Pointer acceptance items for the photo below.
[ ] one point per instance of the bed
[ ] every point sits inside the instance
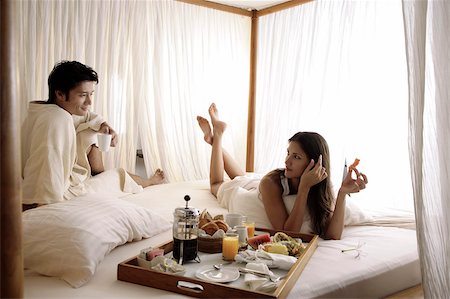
(388, 260)
(384, 262)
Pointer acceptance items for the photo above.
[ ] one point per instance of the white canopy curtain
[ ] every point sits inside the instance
(428, 53)
(160, 64)
(338, 68)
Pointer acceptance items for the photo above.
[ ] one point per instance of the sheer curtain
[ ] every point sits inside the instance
(427, 26)
(160, 64)
(338, 68)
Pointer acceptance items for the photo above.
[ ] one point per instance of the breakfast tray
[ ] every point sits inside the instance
(129, 271)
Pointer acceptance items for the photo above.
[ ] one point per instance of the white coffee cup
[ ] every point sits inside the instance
(104, 141)
(233, 219)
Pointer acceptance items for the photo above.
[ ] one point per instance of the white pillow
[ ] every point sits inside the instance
(69, 239)
(354, 215)
(248, 203)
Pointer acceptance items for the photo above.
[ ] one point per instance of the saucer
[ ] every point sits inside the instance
(222, 275)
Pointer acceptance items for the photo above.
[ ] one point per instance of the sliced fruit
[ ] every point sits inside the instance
(255, 241)
(276, 248)
(355, 163)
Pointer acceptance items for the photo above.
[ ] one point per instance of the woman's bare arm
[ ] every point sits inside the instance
(271, 192)
(336, 224)
(349, 185)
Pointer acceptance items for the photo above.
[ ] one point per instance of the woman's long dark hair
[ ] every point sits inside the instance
(320, 196)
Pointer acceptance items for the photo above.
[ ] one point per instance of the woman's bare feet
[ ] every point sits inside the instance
(206, 128)
(213, 113)
(218, 125)
(157, 178)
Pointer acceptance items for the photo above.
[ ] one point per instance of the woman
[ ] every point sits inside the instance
(305, 176)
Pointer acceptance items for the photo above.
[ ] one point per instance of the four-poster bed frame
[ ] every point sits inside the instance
(11, 207)
(254, 14)
(12, 273)
(11, 202)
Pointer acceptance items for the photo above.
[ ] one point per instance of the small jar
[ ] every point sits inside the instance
(242, 232)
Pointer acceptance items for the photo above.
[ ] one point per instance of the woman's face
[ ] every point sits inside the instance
(296, 160)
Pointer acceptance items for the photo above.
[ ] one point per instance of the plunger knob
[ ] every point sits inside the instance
(187, 198)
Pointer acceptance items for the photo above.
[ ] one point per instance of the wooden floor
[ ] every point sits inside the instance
(413, 293)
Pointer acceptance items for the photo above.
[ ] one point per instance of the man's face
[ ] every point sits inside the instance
(78, 100)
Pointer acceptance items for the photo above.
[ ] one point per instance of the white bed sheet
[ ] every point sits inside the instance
(388, 260)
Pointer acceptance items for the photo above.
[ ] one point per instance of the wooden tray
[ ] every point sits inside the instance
(129, 271)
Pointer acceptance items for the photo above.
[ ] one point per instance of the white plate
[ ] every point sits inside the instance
(222, 275)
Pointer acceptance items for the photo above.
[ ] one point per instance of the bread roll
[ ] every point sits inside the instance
(203, 221)
(218, 217)
(222, 225)
(205, 215)
(210, 228)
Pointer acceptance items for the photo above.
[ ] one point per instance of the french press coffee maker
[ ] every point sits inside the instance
(185, 232)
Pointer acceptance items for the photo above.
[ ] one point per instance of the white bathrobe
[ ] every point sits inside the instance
(55, 166)
(86, 128)
(48, 154)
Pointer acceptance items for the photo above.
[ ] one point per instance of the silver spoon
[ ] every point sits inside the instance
(277, 279)
(219, 266)
(272, 278)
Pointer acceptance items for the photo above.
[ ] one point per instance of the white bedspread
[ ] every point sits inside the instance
(387, 263)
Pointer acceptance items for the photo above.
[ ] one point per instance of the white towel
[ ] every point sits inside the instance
(271, 260)
(259, 283)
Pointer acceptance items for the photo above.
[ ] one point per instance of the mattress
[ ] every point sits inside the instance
(376, 262)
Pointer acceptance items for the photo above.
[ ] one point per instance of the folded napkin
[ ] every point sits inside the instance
(271, 260)
(259, 283)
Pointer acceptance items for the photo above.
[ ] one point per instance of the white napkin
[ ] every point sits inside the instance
(271, 260)
(259, 283)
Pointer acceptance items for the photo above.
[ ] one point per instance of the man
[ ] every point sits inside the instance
(55, 165)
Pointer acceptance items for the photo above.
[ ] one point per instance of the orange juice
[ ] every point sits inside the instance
(230, 246)
(250, 229)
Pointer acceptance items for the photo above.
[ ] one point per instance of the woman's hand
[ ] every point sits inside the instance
(313, 174)
(106, 129)
(351, 185)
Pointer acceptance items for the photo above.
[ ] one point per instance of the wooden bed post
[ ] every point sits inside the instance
(10, 203)
(250, 160)
(254, 14)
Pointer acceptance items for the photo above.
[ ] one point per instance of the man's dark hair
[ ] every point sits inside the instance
(67, 75)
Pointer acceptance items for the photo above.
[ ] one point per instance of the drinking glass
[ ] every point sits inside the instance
(250, 226)
(230, 246)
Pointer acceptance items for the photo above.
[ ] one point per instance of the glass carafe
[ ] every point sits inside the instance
(185, 233)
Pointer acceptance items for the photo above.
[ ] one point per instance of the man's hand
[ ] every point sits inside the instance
(106, 129)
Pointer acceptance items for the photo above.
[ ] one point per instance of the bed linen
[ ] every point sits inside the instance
(386, 262)
(69, 239)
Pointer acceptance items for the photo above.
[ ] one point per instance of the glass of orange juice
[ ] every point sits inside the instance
(230, 246)
(250, 226)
